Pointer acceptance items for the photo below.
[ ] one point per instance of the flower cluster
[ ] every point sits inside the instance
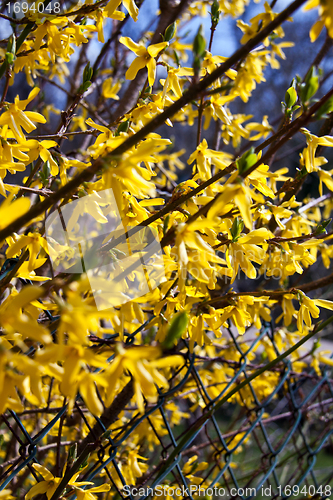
(235, 218)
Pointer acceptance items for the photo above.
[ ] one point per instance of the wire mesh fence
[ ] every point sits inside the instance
(262, 443)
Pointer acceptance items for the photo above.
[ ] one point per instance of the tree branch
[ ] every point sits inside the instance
(109, 416)
(87, 174)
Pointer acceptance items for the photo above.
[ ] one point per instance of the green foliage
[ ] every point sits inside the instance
(246, 161)
(176, 329)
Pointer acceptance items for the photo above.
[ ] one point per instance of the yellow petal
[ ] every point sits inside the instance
(154, 50)
(137, 64)
(36, 117)
(316, 30)
(132, 9)
(327, 361)
(39, 488)
(89, 395)
(128, 42)
(327, 304)
(167, 361)
(255, 237)
(151, 66)
(26, 295)
(243, 204)
(43, 471)
(16, 248)
(48, 144)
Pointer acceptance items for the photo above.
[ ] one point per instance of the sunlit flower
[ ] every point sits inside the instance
(145, 57)
(50, 484)
(17, 119)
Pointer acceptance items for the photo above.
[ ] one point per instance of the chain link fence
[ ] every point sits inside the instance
(260, 444)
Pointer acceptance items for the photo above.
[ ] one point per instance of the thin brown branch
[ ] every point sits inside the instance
(193, 449)
(109, 416)
(11, 19)
(65, 135)
(131, 141)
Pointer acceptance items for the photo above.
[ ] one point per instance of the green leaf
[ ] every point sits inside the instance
(326, 222)
(123, 127)
(176, 58)
(176, 330)
(310, 85)
(170, 32)
(46, 170)
(215, 12)
(290, 97)
(321, 228)
(236, 228)
(106, 435)
(85, 463)
(199, 44)
(87, 73)
(325, 109)
(166, 224)
(72, 453)
(11, 46)
(246, 161)
(9, 58)
(84, 87)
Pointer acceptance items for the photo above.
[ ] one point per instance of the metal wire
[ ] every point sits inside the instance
(255, 445)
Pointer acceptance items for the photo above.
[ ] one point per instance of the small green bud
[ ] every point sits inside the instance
(148, 90)
(246, 161)
(215, 12)
(316, 345)
(326, 222)
(236, 228)
(176, 330)
(9, 58)
(166, 224)
(325, 109)
(170, 32)
(87, 73)
(199, 44)
(11, 46)
(321, 228)
(119, 253)
(46, 170)
(106, 435)
(176, 58)
(84, 87)
(122, 127)
(290, 97)
(197, 65)
(85, 463)
(72, 453)
(310, 86)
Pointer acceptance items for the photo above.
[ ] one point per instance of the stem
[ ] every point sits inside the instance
(5, 90)
(200, 112)
(131, 141)
(212, 31)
